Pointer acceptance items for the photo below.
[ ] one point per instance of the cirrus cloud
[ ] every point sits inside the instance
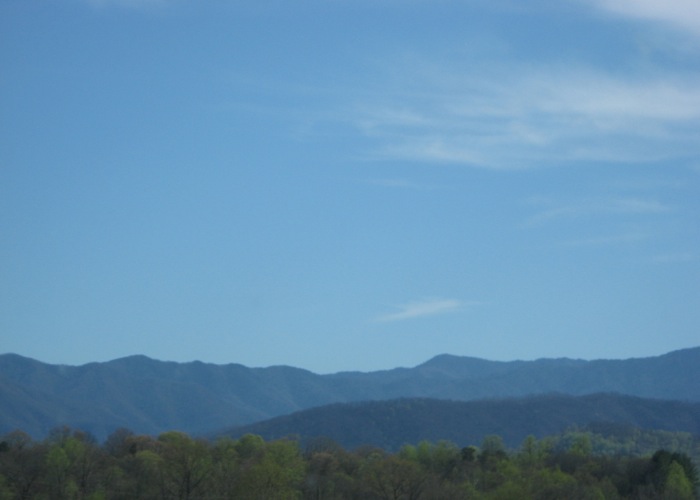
(523, 116)
(683, 13)
(426, 307)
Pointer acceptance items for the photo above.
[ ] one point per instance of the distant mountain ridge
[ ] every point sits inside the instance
(393, 423)
(150, 396)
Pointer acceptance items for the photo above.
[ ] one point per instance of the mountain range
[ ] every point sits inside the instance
(393, 423)
(150, 396)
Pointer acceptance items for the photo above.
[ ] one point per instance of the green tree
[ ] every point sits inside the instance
(581, 445)
(185, 466)
(58, 467)
(322, 471)
(532, 453)
(677, 485)
(249, 446)
(133, 469)
(73, 464)
(226, 464)
(23, 464)
(393, 478)
(275, 472)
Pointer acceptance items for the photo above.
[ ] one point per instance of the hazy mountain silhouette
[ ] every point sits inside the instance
(150, 396)
(391, 424)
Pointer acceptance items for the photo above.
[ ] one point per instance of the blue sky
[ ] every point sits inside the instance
(349, 185)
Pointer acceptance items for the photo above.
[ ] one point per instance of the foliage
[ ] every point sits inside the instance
(70, 464)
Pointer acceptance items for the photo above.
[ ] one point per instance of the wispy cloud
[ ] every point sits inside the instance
(676, 257)
(399, 183)
(518, 116)
(426, 307)
(652, 184)
(595, 207)
(682, 13)
(618, 239)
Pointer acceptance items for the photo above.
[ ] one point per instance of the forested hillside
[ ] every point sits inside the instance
(69, 464)
(151, 396)
(391, 424)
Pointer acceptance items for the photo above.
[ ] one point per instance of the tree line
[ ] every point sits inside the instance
(71, 464)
